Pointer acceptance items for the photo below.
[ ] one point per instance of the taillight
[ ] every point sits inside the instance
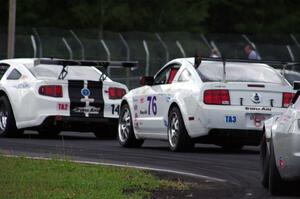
(51, 90)
(116, 93)
(217, 97)
(286, 99)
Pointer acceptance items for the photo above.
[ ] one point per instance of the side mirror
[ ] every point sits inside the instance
(296, 85)
(147, 80)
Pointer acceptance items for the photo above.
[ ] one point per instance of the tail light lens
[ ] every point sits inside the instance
(287, 99)
(116, 93)
(51, 90)
(217, 97)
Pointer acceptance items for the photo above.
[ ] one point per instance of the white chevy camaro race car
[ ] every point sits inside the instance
(51, 95)
(280, 148)
(217, 103)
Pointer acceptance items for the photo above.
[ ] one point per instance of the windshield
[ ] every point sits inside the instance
(74, 72)
(238, 72)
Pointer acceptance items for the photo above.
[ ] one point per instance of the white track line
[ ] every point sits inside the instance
(126, 166)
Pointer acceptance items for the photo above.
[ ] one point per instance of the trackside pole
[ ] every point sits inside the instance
(107, 53)
(164, 46)
(39, 42)
(180, 48)
(33, 42)
(68, 48)
(147, 58)
(127, 58)
(80, 44)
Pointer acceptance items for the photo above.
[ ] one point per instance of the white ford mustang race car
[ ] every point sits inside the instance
(217, 103)
(280, 148)
(51, 95)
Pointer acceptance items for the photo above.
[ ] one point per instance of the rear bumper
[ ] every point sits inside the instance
(230, 118)
(231, 136)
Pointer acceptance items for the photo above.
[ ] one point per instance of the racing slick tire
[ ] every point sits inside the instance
(178, 137)
(8, 126)
(276, 184)
(126, 135)
(106, 132)
(264, 162)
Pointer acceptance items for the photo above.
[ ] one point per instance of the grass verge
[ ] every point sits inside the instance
(28, 178)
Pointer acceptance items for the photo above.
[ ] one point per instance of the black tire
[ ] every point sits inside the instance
(106, 132)
(178, 137)
(48, 133)
(264, 162)
(126, 136)
(7, 120)
(276, 184)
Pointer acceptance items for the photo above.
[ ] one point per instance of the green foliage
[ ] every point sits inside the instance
(222, 16)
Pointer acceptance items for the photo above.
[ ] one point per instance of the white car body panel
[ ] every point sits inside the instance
(200, 118)
(31, 109)
(284, 133)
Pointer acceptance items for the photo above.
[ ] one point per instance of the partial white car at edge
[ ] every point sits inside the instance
(280, 148)
(51, 95)
(184, 105)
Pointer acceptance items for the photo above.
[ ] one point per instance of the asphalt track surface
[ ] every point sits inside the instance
(238, 170)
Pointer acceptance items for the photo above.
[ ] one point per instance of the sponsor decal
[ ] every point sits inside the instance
(136, 115)
(24, 77)
(230, 119)
(62, 106)
(256, 98)
(85, 92)
(258, 109)
(135, 107)
(142, 100)
(87, 110)
(136, 124)
(135, 100)
(143, 112)
(23, 85)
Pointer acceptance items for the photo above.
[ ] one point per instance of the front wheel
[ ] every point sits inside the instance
(126, 135)
(178, 138)
(7, 120)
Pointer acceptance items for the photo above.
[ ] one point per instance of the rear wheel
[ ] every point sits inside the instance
(126, 135)
(7, 120)
(276, 184)
(265, 162)
(178, 138)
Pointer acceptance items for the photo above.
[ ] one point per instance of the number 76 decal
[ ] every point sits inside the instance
(152, 105)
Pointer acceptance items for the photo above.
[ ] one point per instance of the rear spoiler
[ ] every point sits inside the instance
(97, 64)
(283, 64)
(105, 64)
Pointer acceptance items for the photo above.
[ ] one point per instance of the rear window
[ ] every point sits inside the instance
(238, 72)
(74, 72)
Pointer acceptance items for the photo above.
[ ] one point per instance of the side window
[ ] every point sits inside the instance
(185, 76)
(3, 69)
(167, 75)
(14, 75)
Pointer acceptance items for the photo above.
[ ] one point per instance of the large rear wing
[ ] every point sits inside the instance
(274, 63)
(97, 64)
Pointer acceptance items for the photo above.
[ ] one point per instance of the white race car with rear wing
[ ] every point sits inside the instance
(51, 95)
(223, 105)
(280, 148)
